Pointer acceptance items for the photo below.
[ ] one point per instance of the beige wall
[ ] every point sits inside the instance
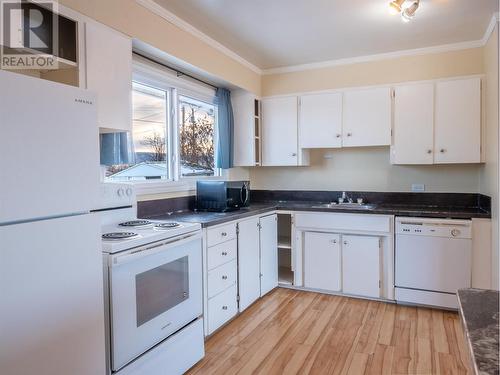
(128, 17)
(489, 173)
(409, 68)
(364, 169)
(369, 168)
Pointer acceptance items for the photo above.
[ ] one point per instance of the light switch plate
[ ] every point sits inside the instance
(417, 188)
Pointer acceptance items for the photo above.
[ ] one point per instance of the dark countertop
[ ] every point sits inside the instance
(214, 218)
(479, 311)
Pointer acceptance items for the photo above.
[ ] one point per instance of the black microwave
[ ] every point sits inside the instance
(222, 196)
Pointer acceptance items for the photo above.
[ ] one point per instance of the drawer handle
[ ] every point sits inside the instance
(223, 234)
(224, 253)
(224, 307)
(224, 277)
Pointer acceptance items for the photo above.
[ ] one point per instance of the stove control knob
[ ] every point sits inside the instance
(120, 192)
(455, 232)
(129, 192)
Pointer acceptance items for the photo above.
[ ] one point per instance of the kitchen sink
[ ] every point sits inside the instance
(347, 206)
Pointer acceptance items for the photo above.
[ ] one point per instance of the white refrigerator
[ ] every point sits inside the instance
(51, 287)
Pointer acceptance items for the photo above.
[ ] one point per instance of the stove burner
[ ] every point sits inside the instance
(135, 223)
(115, 236)
(169, 225)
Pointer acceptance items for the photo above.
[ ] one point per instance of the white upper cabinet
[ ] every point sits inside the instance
(109, 75)
(279, 132)
(413, 124)
(437, 122)
(246, 111)
(458, 121)
(320, 121)
(367, 117)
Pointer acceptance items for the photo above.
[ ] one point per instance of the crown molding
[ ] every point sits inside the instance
(180, 23)
(175, 20)
(391, 55)
(491, 27)
(376, 57)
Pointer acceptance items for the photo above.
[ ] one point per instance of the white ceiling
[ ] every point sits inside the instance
(277, 33)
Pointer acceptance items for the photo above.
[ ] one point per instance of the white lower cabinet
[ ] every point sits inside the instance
(268, 253)
(221, 278)
(249, 262)
(222, 308)
(220, 275)
(257, 258)
(361, 264)
(322, 261)
(241, 265)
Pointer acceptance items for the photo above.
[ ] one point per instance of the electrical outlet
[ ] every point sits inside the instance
(418, 187)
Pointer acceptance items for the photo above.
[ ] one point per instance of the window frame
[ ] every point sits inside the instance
(154, 75)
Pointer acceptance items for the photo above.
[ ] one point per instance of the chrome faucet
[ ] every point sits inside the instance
(346, 197)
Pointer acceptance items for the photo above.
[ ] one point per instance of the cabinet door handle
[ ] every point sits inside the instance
(345, 242)
(224, 277)
(442, 151)
(224, 307)
(224, 253)
(223, 234)
(334, 241)
(349, 134)
(338, 135)
(294, 154)
(429, 151)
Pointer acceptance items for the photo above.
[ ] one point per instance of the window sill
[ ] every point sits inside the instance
(148, 188)
(185, 185)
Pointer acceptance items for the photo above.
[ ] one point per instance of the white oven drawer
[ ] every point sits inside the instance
(222, 253)
(221, 234)
(222, 308)
(222, 278)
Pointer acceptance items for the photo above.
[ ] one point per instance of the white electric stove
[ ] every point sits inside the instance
(135, 232)
(153, 288)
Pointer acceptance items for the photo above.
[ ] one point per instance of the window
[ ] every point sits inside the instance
(172, 137)
(196, 137)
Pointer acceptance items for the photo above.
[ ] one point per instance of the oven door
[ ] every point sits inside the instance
(154, 291)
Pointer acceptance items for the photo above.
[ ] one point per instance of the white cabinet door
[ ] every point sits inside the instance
(458, 121)
(279, 131)
(322, 261)
(413, 140)
(109, 74)
(367, 117)
(248, 262)
(244, 129)
(268, 253)
(320, 121)
(361, 265)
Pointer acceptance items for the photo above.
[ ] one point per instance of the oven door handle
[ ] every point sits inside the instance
(157, 248)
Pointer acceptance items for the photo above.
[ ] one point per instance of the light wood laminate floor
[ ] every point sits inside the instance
(296, 332)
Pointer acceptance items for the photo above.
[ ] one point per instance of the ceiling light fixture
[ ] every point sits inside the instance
(406, 8)
(409, 12)
(395, 7)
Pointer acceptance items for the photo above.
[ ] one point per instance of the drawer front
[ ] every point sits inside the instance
(221, 254)
(221, 308)
(344, 222)
(221, 278)
(221, 234)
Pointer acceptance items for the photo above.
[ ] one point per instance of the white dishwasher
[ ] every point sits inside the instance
(432, 260)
